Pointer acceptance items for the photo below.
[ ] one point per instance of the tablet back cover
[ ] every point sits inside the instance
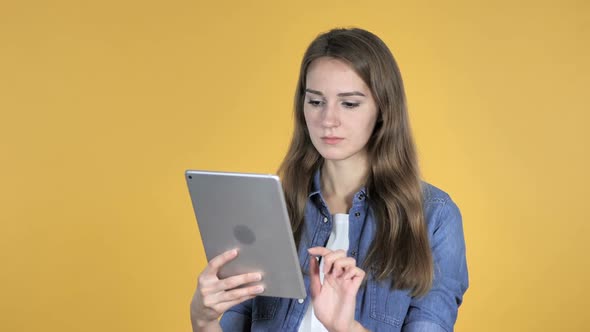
(248, 212)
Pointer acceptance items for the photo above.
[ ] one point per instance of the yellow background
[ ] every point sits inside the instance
(104, 104)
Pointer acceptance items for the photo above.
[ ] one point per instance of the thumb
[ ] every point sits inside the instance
(314, 277)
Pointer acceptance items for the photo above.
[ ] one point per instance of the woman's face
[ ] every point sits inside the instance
(340, 111)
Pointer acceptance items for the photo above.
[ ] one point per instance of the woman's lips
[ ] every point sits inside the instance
(332, 140)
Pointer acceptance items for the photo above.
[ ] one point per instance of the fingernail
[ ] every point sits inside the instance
(258, 289)
(258, 277)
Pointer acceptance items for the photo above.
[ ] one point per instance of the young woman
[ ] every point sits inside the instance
(391, 247)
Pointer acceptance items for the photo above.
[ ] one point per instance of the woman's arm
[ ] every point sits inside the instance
(437, 310)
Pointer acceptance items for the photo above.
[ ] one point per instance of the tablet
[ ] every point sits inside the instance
(248, 212)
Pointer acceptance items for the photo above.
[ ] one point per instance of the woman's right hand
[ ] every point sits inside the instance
(214, 296)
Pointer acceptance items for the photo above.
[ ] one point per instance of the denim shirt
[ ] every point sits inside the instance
(378, 307)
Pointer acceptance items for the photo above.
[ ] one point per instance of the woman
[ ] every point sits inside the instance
(391, 247)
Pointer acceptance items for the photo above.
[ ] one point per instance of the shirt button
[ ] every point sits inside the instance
(325, 219)
(361, 197)
(357, 214)
(353, 253)
(300, 301)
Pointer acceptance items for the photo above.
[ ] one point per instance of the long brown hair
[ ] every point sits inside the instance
(400, 249)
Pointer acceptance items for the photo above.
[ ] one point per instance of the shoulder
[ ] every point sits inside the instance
(439, 208)
(432, 194)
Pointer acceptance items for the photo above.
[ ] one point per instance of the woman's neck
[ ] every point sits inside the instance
(340, 180)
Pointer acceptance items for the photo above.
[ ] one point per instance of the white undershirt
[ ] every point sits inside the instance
(338, 240)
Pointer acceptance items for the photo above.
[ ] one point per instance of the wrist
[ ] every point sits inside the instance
(358, 327)
(203, 323)
(198, 320)
(354, 327)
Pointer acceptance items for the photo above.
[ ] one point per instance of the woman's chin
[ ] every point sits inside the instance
(334, 155)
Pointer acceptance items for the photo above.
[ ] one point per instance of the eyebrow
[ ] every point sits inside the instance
(343, 94)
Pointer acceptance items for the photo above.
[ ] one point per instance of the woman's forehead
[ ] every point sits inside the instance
(331, 75)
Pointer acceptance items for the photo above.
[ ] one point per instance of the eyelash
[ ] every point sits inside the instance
(318, 103)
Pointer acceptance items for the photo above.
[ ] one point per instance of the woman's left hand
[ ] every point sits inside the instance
(334, 300)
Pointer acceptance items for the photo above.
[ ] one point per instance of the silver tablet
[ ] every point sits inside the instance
(248, 212)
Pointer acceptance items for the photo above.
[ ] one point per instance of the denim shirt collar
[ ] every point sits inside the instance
(315, 188)
(359, 196)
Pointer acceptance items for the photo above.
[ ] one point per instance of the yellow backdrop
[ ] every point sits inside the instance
(104, 104)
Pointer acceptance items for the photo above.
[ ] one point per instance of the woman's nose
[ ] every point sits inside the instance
(331, 116)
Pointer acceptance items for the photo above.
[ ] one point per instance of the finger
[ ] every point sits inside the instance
(330, 258)
(240, 292)
(358, 278)
(341, 265)
(220, 260)
(213, 300)
(231, 282)
(319, 251)
(314, 277)
(354, 273)
(222, 307)
(349, 273)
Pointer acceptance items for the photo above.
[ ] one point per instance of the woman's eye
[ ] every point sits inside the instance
(315, 103)
(347, 104)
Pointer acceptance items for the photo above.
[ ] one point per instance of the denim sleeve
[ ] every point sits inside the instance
(437, 310)
(237, 318)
